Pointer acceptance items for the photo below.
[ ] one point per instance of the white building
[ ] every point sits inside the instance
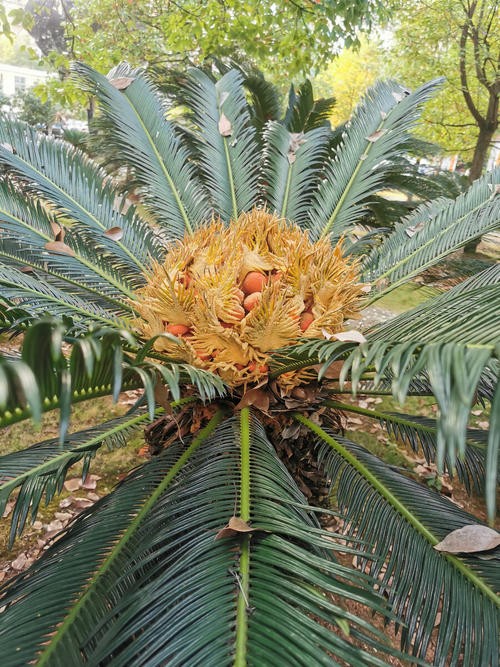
(14, 79)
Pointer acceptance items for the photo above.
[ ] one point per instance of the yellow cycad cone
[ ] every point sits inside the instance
(233, 295)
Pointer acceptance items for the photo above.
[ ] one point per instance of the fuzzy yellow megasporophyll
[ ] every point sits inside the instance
(233, 294)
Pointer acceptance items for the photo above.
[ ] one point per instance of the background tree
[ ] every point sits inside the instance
(33, 110)
(349, 75)
(460, 40)
(281, 38)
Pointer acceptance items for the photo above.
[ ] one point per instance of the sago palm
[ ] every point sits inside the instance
(231, 293)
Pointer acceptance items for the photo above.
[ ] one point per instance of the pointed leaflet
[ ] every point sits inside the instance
(148, 567)
(358, 168)
(436, 230)
(147, 142)
(77, 188)
(40, 470)
(291, 183)
(493, 455)
(227, 148)
(403, 521)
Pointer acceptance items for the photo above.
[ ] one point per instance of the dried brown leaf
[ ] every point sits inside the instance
(122, 82)
(376, 135)
(351, 336)
(411, 231)
(82, 503)
(257, 396)
(162, 397)
(225, 127)
(234, 526)
(469, 539)
(72, 484)
(333, 370)
(60, 247)
(21, 562)
(114, 233)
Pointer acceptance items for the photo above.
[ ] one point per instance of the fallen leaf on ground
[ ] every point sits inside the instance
(54, 526)
(72, 484)
(21, 562)
(82, 503)
(7, 510)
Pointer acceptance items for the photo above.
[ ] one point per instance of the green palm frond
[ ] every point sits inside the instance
(265, 99)
(226, 142)
(304, 113)
(433, 231)
(452, 338)
(92, 368)
(415, 519)
(292, 164)
(403, 179)
(203, 601)
(66, 273)
(38, 297)
(100, 363)
(79, 191)
(420, 433)
(39, 471)
(463, 314)
(377, 132)
(26, 227)
(147, 142)
(453, 369)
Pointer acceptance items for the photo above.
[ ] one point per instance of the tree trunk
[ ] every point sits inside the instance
(481, 149)
(486, 133)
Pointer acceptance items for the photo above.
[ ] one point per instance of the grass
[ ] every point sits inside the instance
(406, 297)
(108, 464)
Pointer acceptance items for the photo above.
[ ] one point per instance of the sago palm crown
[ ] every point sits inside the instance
(220, 260)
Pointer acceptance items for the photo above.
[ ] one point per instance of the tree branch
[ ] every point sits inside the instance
(463, 74)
